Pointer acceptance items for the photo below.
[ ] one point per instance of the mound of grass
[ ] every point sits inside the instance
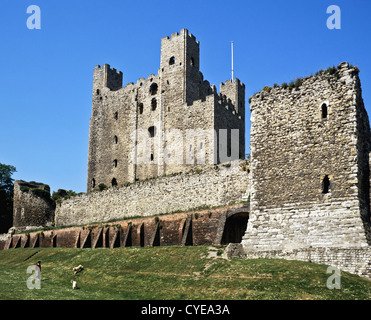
(165, 273)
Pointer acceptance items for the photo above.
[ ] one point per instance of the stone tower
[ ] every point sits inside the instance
(310, 165)
(170, 122)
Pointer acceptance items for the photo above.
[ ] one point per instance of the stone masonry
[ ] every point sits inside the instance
(170, 122)
(210, 187)
(309, 165)
(32, 205)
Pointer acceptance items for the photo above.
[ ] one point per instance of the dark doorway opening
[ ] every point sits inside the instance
(189, 238)
(116, 241)
(141, 235)
(129, 241)
(87, 243)
(235, 228)
(157, 239)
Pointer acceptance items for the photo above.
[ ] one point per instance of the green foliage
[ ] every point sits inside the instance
(298, 83)
(284, 85)
(356, 69)
(6, 197)
(24, 188)
(331, 70)
(6, 181)
(61, 194)
(267, 89)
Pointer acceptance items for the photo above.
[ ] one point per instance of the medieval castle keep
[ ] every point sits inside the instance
(167, 123)
(166, 166)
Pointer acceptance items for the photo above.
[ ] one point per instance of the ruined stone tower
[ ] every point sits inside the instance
(170, 122)
(310, 165)
(32, 205)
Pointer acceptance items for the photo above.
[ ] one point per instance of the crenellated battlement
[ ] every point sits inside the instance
(106, 76)
(183, 33)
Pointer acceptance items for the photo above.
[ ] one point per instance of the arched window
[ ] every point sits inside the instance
(140, 107)
(171, 60)
(93, 183)
(326, 185)
(98, 91)
(115, 163)
(116, 139)
(324, 111)
(153, 88)
(114, 182)
(154, 104)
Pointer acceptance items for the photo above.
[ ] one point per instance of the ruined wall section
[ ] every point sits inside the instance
(298, 138)
(32, 205)
(212, 186)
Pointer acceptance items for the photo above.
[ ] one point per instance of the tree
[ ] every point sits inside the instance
(6, 197)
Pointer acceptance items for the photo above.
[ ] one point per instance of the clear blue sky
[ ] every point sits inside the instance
(46, 75)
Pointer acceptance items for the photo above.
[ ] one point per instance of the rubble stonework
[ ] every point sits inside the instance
(210, 187)
(32, 205)
(298, 138)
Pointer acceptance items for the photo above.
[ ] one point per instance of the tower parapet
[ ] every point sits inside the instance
(106, 76)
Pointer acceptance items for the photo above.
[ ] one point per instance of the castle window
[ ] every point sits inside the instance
(98, 91)
(152, 131)
(114, 182)
(153, 88)
(192, 62)
(116, 115)
(152, 157)
(325, 185)
(116, 139)
(140, 108)
(93, 183)
(324, 111)
(171, 61)
(115, 163)
(154, 104)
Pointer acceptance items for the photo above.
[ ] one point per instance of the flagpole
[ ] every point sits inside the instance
(232, 62)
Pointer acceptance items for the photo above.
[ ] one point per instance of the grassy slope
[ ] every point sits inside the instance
(168, 273)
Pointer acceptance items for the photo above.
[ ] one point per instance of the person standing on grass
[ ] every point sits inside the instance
(38, 270)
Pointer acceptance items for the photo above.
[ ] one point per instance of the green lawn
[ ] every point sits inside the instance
(168, 273)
